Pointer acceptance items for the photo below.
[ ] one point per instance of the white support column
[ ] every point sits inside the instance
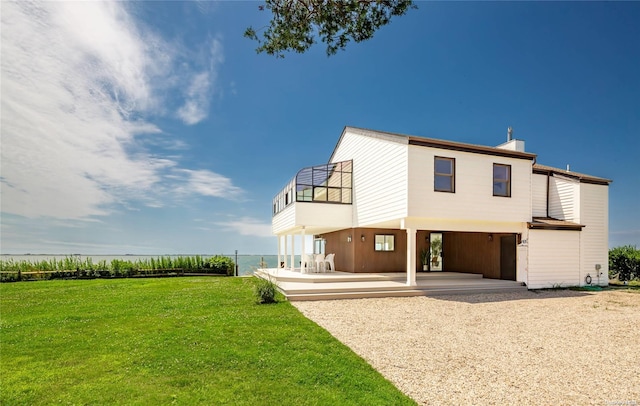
(302, 252)
(411, 257)
(286, 243)
(279, 255)
(293, 252)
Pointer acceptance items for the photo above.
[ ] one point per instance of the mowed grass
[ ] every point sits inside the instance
(172, 341)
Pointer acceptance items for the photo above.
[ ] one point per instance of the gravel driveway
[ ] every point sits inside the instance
(547, 347)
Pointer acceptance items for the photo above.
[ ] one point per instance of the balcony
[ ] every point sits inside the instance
(330, 183)
(297, 203)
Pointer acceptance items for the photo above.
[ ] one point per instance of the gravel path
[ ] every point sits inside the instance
(547, 348)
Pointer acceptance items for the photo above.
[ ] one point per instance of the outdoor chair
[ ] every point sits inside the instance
(319, 262)
(305, 264)
(329, 260)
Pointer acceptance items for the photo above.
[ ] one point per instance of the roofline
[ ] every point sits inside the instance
(472, 148)
(434, 143)
(566, 225)
(399, 138)
(538, 226)
(581, 177)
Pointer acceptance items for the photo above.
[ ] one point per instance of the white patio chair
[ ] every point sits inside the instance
(306, 264)
(329, 260)
(319, 262)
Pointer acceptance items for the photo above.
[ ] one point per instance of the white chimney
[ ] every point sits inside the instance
(512, 144)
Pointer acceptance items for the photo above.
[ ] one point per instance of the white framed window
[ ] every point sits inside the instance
(384, 242)
(318, 245)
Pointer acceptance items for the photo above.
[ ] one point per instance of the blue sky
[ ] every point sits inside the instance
(155, 128)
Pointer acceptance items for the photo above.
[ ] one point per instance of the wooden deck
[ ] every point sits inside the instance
(343, 285)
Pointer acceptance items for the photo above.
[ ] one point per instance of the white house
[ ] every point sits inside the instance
(389, 202)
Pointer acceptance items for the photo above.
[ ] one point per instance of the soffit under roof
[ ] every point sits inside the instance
(549, 223)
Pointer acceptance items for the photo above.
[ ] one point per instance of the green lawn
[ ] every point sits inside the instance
(172, 341)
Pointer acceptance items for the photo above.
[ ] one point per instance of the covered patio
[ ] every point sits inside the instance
(298, 286)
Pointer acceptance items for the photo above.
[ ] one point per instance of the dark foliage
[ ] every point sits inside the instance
(221, 264)
(296, 23)
(624, 262)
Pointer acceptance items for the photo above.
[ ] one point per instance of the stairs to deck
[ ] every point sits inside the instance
(351, 286)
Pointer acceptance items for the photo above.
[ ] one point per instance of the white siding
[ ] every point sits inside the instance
(473, 199)
(285, 220)
(539, 195)
(554, 258)
(323, 215)
(563, 195)
(379, 177)
(316, 217)
(594, 213)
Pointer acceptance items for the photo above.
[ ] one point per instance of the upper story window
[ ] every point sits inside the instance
(384, 242)
(502, 180)
(444, 178)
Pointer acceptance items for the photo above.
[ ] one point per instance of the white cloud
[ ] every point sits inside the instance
(247, 226)
(207, 183)
(78, 78)
(196, 106)
(197, 94)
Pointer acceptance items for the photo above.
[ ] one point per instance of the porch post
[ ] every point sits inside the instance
(286, 243)
(411, 257)
(279, 256)
(302, 252)
(293, 252)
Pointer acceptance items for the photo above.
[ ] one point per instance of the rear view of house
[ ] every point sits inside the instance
(389, 202)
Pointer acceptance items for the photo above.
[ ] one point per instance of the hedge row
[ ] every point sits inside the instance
(72, 267)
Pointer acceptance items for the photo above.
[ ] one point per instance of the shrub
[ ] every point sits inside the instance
(221, 264)
(265, 291)
(624, 262)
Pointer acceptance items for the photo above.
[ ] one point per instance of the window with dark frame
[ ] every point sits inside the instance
(444, 170)
(502, 180)
(384, 242)
(330, 183)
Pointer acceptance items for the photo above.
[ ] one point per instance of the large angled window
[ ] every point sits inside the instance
(330, 183)
(444, 179)
(502, 180)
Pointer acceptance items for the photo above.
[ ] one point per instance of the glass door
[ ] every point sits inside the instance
(435, 251)
(318, 245)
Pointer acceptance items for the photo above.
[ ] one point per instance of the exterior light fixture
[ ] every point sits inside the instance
(490, 237)
(349, 239)
(362, 237)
